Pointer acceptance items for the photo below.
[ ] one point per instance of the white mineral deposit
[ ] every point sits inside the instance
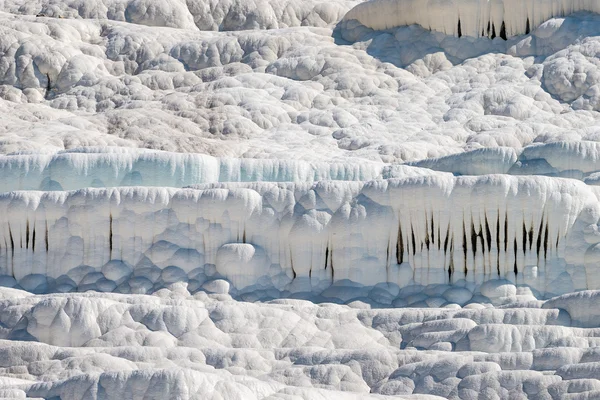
(300, 199)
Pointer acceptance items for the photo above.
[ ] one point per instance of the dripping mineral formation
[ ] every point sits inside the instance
(292, 237)
(477, 18)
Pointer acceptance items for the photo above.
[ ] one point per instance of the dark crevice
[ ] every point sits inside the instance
(498, 265)
(538, 243)
(493, 32)
(439, 236)
(557, 239)
(432, 230)
(426, 233)
(465, 244)
(546, 242)
(451, 266)
(387, 255)
(527, 28)
(48, 87)
(459, 29)
(244, 236)
(12, 242)
(498, 232)
(464, 248)
(489, 28)
(506, 232)
(531, 236)
(400, 246)
(447, 239)
(498, 242)
(46, 237)
(488, 234)
(515, 269)
(331, 264)
(524, 238)
(26, 235)
(473, 238)
(412, 239)
(482, 238)
(292, 265)
(326, 255)
(33, 240)
(503, 31)
(110, 236)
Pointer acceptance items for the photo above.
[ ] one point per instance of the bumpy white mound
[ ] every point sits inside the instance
(174, 345)
(476, 18)
(202, 14)
(293, 93)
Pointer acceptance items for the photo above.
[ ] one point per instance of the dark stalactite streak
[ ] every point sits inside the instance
(515, 269)
(488, 234)
(531, 236)
(498, 243)
(400, 246)
(546, 242)
(524, 239)
(292, 265)
(447, 239)
(414, 243)
(465, 248)
(46, 237)
(110, 236)
(505, 232)
(12, 242)
(503, 31)
(473, 238)
(426, 236)
(538, 243)
(432, 230)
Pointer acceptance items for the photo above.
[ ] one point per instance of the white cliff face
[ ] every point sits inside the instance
(295, 237)
(113, 166)
(273, 199)
(478, 18)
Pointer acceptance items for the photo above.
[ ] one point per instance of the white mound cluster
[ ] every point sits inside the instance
(174, 345)
(222, 15)
(281, 199)
(404, 95)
